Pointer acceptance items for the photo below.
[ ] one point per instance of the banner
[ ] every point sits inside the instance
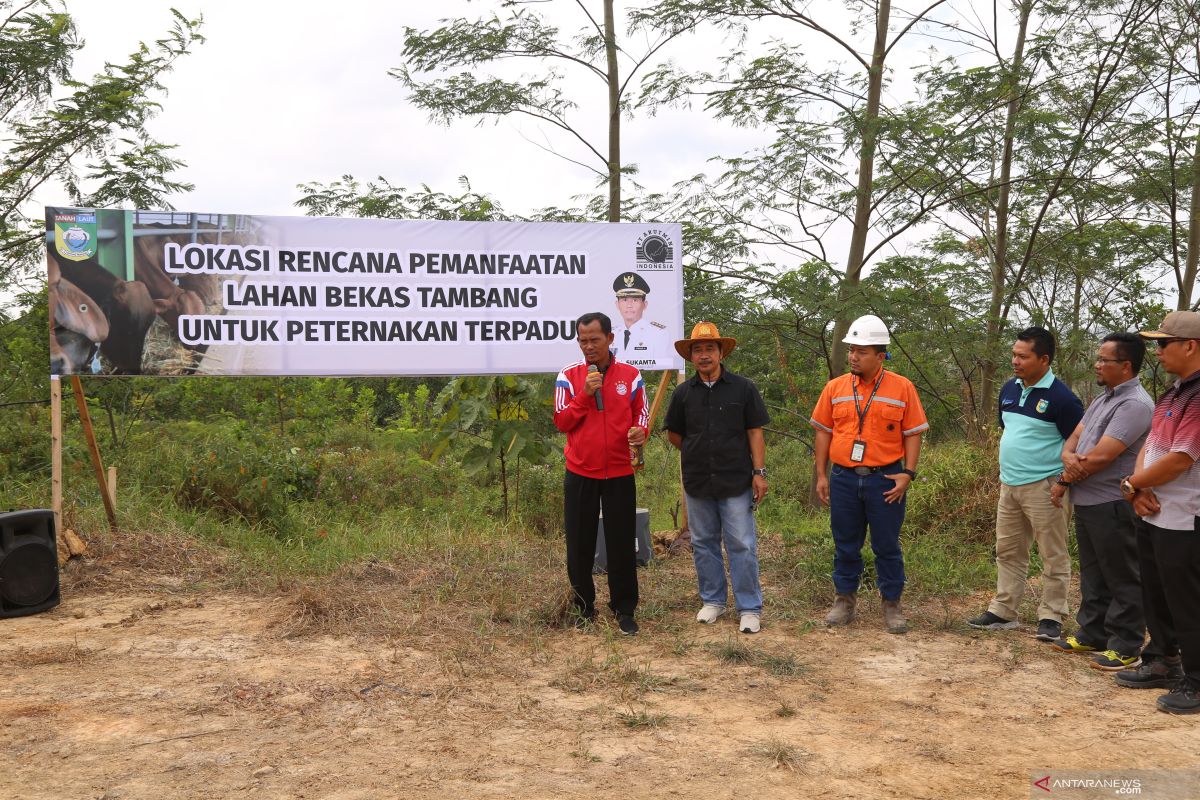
(162, 293)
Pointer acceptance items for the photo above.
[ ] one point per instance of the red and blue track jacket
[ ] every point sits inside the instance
(597, 443)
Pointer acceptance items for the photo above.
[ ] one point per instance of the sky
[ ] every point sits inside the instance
(283, 94)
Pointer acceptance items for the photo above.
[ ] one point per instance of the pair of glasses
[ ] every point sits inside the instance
(1161, 343)
(1111, 360)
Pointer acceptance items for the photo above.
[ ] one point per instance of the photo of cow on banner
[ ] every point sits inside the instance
(163, 293)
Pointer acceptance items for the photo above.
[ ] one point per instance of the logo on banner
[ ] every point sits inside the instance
(654, 252)
(622, 388)
(75, 236)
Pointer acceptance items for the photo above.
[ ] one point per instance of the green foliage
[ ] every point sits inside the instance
(380, 200)
(233, 471)
(57, 124)
(501, 419)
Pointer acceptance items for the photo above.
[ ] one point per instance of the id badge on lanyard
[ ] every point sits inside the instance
(859, 449)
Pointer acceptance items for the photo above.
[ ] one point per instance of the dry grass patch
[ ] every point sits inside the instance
(165, 555)
(736, 651)
(642, 719)
(44, 656)
(586, 673)
(782, 755)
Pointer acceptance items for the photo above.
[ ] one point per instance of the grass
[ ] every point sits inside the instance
(736, 651)
(362, 534)
(785, 711)
(782, 755)
(617, 672)
(642, 719)
(44, 656)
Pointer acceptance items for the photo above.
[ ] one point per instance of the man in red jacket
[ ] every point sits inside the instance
(600, 403)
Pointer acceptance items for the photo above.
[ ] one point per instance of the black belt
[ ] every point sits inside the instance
(869, 470)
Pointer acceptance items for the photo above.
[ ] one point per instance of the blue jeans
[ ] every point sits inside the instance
(856, 503)
(730, 519)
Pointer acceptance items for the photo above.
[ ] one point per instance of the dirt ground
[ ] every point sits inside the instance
(159, 694)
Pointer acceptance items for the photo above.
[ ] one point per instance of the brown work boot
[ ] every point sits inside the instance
(842, 612)
(893, 617)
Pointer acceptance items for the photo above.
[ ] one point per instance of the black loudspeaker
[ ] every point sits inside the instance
(641, 544)
(28, 563)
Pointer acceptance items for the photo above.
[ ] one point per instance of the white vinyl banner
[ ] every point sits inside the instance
(244, 295)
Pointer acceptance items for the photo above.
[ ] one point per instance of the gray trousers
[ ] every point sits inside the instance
(1110, 609)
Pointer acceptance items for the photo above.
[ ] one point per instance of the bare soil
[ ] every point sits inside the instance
(155, 693)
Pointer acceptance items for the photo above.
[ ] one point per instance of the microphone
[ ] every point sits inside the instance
(599, 399)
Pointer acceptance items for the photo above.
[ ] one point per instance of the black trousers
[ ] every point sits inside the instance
(1170, 564)
(1110, 609)
(582, 501)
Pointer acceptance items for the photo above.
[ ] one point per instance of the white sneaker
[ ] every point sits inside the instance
(749, 623)
(709, 614)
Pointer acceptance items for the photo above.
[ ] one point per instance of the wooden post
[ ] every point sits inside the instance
(112, 485)
(56, 473)
(90, 434)
(658, 398)
(683, 515)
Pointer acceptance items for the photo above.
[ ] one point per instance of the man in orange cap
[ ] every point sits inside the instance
(716, 420)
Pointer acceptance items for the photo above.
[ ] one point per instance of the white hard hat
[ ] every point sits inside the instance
(867, 329)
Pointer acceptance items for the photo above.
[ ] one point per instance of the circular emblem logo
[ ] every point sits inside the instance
(655, 251)
(76, 238)
(622, 387)
(656, 248)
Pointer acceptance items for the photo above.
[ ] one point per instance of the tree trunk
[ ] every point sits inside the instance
(614, 116)
(987, 381)
(869, 130)
(1193, 245)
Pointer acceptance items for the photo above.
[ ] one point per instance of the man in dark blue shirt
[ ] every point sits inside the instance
(716, 420)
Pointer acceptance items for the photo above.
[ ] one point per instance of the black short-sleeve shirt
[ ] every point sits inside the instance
(713, 422)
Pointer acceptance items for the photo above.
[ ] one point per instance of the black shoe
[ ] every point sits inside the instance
(990, 622)
(1048, 630)
(627, 625)
(1183, 699)
(1156, 674)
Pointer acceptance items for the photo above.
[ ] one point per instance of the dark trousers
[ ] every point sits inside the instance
(1110, 609)
(1170, 564)
(855, 504)
(582, 500)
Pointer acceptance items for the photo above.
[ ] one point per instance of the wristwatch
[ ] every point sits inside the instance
(1127, 488)
(912, 473)
(762, 472)
(1062, 482)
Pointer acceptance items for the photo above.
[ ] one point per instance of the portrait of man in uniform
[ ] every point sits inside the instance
(637, 340)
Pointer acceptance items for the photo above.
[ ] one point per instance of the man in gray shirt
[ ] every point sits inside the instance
(1101, 451)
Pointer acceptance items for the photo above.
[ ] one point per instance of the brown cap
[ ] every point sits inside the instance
(1177, 325)
(705, 332)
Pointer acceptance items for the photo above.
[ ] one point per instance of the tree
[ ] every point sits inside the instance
(818, 114)
(526, 35)
(504, 419)
(97, 128)
(89, 135)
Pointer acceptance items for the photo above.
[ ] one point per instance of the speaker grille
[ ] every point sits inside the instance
(28, 574)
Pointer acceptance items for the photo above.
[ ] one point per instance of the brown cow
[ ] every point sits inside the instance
(77, 325)
(126, 304)
(170, 300)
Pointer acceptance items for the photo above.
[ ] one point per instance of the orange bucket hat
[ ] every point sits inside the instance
(705, 332)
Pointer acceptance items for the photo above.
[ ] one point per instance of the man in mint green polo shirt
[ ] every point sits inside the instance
(1038, 413)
